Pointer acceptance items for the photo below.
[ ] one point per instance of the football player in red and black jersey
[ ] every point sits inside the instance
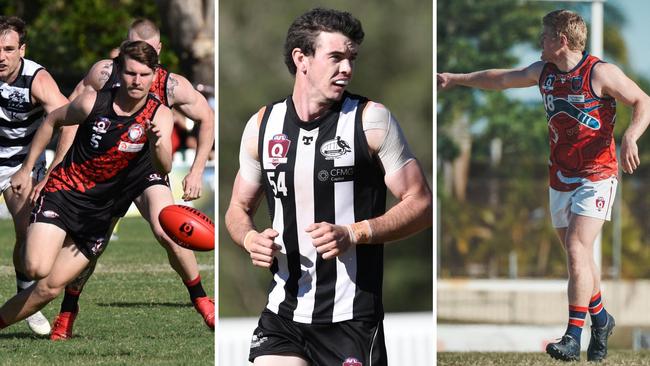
(72, 220)
(579, 93)
(149, 190)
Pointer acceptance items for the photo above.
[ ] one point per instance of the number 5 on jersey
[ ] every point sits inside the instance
(277, 184)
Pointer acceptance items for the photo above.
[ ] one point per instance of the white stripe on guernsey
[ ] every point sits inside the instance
(303, 185)
(346, 264)
(274, 127)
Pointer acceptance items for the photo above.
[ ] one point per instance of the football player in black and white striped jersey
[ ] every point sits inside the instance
(324, 158)
(27, 92)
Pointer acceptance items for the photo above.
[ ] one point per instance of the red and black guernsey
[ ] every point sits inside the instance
(581, 126)
(106, 148)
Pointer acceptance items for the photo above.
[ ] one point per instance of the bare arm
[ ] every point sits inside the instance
(193, 105)
(67, 114)
(160, 135)
(494, 79)
(609, 80)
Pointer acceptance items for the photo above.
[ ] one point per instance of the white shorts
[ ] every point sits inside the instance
(7, 172)
(592, 199)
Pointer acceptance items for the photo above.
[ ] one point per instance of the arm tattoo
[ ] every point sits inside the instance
(105, 73)
(171, 85)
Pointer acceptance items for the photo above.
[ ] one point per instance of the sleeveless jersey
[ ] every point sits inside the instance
(19, 117)
(321, 171)
(581, 126)
(106, 147)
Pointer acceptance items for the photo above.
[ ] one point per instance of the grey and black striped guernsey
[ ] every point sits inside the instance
(317, 171)
(19, 117)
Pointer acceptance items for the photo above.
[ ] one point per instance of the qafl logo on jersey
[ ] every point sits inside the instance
(600, 203)
(548, 83)
(278, 149)
(135, 132)
(334, 148)
(99, 129)
(351, 361)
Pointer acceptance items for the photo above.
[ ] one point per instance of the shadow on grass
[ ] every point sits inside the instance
(8, 334)
(144, 304)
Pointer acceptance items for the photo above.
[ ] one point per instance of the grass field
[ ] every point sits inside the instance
(134, 310)
(615, 357)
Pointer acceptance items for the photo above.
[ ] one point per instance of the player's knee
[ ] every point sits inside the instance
(36, 270)
(47, 292)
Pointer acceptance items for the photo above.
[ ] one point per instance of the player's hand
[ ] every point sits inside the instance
(153, 133)
(36, 191)
(21, 181)
(192, 186)
(330, 240)
(445, 81)
(261, 247)
(629, 155)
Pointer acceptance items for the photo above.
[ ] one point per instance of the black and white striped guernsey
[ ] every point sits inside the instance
(317, 171)
(19, 117)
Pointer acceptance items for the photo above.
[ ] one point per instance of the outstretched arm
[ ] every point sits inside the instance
(609, 80)
(495, 79)
(193, 105)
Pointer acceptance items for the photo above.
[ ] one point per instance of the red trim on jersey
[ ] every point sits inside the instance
(159, 85)
(85, 176)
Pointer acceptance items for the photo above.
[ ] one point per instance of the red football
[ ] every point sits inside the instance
(188, 227)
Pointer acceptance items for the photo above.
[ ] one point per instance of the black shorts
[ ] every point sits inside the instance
(89, 227)
(347, 343)
(140, 178)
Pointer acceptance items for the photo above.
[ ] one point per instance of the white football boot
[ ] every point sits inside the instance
(38, 323)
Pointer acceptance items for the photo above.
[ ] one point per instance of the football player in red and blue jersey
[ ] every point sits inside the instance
(579, 93)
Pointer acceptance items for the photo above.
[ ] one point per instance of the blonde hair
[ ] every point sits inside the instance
(570, 24)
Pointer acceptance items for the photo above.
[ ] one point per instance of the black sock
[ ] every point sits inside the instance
(70, 301)
(195, 288)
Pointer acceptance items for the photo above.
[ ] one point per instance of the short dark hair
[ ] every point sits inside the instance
(140, 51)
(304, 30)
(12, 23)
(144, 28)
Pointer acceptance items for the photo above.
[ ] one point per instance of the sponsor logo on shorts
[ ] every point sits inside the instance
(334, 148)
(129, 147)
(154, 176)
(278, 149)
(600, 203)
(351, 361)
(50, 214)
(98, 246)
(258, 339)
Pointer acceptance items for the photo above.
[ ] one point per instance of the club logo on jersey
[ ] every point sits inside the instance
(135, 132)
(99, 129)
(334, 148)
(351, 361)
(307, 140)
(548, 83)
(16, 100)
(278, 149)
(576, 83)
(600, 203)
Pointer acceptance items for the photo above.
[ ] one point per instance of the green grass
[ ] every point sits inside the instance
(615, 357)
(134, 310)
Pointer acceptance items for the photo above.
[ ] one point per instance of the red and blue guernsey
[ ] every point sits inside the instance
(580, 126)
